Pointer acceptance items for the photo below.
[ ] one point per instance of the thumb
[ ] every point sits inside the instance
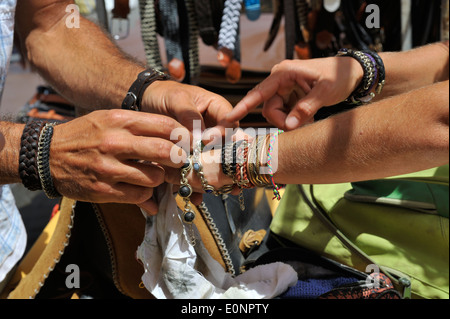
(304, 109)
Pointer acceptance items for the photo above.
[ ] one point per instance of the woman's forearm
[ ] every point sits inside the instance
(395, 136)
(409, 70)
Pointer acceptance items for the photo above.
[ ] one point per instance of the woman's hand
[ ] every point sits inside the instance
(211, 162)
(297, 89)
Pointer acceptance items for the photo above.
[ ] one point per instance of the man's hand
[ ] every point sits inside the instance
(114, 156)
(187, 103)
(297, 89)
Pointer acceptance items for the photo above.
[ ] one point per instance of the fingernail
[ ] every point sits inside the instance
(292, 122)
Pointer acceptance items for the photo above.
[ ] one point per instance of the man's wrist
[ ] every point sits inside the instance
(134, 96)
(9, 154)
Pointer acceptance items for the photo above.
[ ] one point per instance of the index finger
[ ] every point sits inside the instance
(258, 95)
(149, 125)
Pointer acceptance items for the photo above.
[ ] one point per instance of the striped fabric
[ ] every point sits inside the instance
(13, 238)
(12, 230)
(7, 10)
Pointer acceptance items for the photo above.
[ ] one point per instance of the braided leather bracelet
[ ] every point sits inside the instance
(28, 170)
(43, 161)
(381, 69)
(362, 92)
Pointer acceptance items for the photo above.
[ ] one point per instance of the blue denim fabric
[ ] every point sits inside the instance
(12, 230)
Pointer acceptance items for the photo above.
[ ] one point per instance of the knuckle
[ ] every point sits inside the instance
(276, 68)
(115, 116)
(101, 189)
(108, 143)
(305, 109)
(163, 149)
(167, 124)
(102, 169)
(280, 66)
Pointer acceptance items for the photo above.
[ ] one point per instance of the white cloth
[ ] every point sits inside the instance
(176, 269)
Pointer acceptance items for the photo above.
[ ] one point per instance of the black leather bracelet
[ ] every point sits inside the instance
(28, 170)
(132, 100)
(43, 161)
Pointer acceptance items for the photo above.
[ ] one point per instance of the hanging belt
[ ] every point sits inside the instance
(149, 34)
(290, 28)
(194, 60)
(120, 24)
(206, 27)
(278, 10)
(302, 48)
(121, 9)
(171, 32)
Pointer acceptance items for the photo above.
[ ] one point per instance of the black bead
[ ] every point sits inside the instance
(185, 191)
(189, 217)
(186, 165)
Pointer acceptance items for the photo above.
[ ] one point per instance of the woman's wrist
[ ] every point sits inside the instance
(245, 163)
(211, 164)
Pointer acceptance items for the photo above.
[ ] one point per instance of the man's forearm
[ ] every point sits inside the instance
(66, 58)
(395, 136)
(409, 70)
(10, 134)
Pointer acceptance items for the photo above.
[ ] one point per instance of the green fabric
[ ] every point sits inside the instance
(415, 191)
(411, 238)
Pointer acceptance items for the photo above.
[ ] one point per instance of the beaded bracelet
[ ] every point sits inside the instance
(43, 161)
(198, 168)
(186, 191)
